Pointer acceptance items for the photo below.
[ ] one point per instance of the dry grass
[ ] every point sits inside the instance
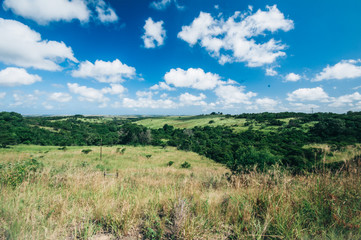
(71, 199)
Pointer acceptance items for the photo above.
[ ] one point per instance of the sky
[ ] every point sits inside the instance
(179, 57)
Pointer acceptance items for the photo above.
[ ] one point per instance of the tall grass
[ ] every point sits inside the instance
(71, 199)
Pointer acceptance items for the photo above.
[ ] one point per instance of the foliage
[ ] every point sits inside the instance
(185, 165)
(13, 174)
(86, 151)
(271, 137)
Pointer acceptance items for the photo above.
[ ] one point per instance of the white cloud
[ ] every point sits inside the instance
(108, 72)
(342, 70)
(21, 46)
(271, 72)
(44, 11)
(23, 99)
(308, 94)
(2, 95)
(11, 77)
(161, 86)
(292, 77)
(187, 99)
(115, 89)
(233, 40)
(105, 12)
(268, 104)
(60, 97)
(148, 102)
(88, 94)
(154, 33)
(346, 100)
(229, 95)
(163, 4)
(192, 78)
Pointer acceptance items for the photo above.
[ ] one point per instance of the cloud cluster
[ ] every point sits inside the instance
(192, 78)
(11, 77)
(163, 4)
(60, 97)
(21, 46)
(292, 77)
(346, 100)
(233, 40)
(87, 93)
(230, 95)
(308, 94)
(342, 70)
(45, 11)
(107, 72)
(154, 33)
(105, 13)
(187, 99)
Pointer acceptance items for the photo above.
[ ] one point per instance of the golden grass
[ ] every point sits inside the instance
(72, 199)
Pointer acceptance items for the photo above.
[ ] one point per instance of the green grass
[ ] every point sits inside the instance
(191, 121)
(68, 197)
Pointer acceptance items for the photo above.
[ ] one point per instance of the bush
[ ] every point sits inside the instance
(86, 151)
(246, 158)
(14, 174)
(185, 165)
(170, 163)
(148, 156)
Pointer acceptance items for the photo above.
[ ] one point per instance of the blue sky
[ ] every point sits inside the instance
(179, 57)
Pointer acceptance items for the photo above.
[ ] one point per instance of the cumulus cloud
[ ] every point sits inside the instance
(60, 97)
(187, 99)
(233, 40)
(148, 102)
(87, 93)
(342, 70)
(115, 89)
(292, 77)
(108, 72)
(21, 46)
(161, 86)
(44, 11)
(105, 13)
(268, 104)
(192, 78)
(12, 76)
(154, 33)
(229, 95)
(308, 94)
(346, 100)
(163, 4)
(2, 95)
(23, 100)
(271, 72)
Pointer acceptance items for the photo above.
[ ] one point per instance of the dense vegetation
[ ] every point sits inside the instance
(65, 195)
(284, 143)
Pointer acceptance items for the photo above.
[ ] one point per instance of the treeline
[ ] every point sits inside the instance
(240, 151)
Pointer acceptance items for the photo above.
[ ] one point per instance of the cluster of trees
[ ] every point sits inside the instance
(239, 151)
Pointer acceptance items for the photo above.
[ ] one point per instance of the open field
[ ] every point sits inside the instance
(68, 197)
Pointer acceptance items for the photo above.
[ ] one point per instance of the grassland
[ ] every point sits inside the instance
(70, 198)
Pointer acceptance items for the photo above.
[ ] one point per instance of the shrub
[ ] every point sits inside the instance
(246, 158)
(13, 174)
(170, 163)
(148, 156)
(86, 151)
(185, 165)
(211, 121)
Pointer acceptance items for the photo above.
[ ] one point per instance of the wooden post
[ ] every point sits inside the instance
(101, 148)
(117, 174)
